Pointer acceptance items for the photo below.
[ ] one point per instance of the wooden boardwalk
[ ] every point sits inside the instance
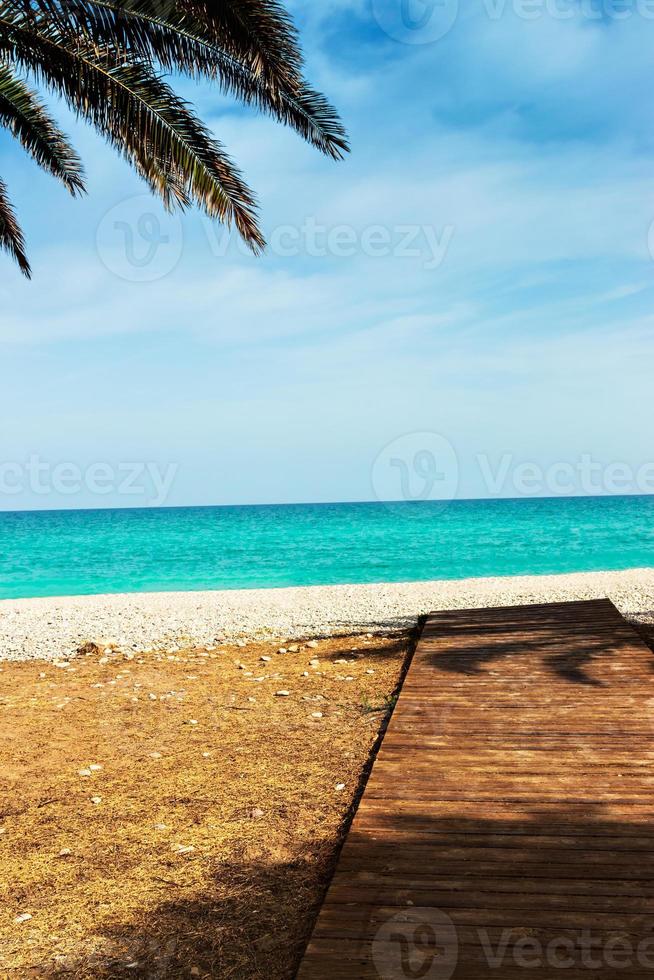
(507, 828)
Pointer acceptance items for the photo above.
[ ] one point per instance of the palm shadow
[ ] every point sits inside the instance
(578, 878)
(544, 891)
(500, 873)
(574, 652)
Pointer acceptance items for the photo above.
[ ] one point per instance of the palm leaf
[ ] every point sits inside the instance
(179, 40)
(259, 33)
(25, 116)
(172, 36)
(104, 58)
(142, 117)
(11, 236)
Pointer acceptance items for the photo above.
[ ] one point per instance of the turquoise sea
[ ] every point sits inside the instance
(86, 551)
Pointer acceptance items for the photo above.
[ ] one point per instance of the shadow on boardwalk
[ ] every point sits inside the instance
(484, 845)
(579, 889)
(567, 651)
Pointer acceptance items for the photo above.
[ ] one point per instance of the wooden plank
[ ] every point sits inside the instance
(509, 808)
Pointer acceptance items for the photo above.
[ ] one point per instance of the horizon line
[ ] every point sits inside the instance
(328, 503)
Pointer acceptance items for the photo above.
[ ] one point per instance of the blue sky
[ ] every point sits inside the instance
(478, 268)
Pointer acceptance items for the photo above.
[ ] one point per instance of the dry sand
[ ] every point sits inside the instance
(55, 628)
(177, 815)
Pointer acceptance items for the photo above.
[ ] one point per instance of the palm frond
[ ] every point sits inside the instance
(11, 236)
(170, 34)
(143, 118)
(181, 41)
(105, 58)
(259, 33)
(26, 117)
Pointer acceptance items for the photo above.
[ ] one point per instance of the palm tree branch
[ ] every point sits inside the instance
(141, 115)
(259, 33)
(26, 117)
(11, 235)
(307, 111)
(178, 40)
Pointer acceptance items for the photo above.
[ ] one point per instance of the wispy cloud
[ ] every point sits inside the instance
(480, 265)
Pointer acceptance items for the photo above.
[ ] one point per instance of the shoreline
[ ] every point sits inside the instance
(53, 628)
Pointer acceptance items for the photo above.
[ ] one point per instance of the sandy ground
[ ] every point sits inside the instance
(178, 815)
(176, 811)
(57, 628)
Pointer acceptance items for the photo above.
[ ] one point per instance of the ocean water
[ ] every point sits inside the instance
(90, 551)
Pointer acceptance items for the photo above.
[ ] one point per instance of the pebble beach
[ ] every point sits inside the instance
(56, 628)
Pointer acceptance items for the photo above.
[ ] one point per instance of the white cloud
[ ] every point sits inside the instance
(533, 331)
